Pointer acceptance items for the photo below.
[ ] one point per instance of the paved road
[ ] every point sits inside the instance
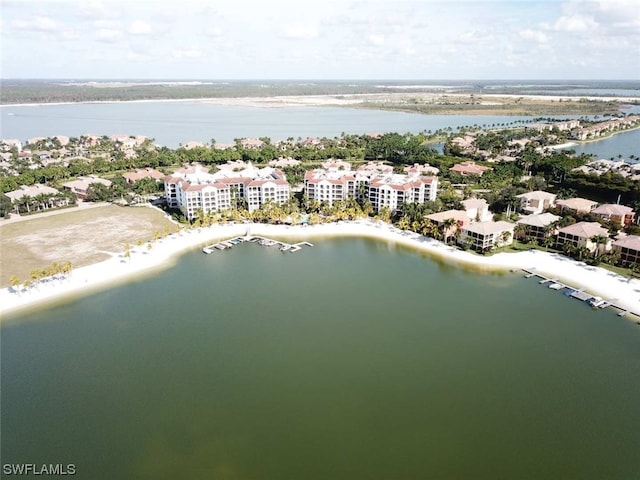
(81, 206)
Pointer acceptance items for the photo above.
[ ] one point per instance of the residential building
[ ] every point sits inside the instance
(460, 218)
(80, 186)
(537, 201)
(469, 168)
(620, 214)
(42, 195)
(132, 177)
(193, 188)
(483, 236)
(629, 249)
(538, 226)
(381, 186)
(579, 205)
(477, 209)
(581, 234)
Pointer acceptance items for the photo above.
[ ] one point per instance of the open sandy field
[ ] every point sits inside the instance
(82, 237)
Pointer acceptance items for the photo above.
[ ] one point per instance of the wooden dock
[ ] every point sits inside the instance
(579, 294)
(263, 241)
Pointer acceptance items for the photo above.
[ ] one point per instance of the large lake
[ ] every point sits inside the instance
(175, 123)
(351, 360)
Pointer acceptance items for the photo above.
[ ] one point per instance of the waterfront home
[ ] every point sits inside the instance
(469, 168)
(620, 214)
(477, 209)
(139, 174)
(537, 201)
(380, 186)
(577, 204)
(629, 249)
(483, 236)
(80, 186)
(392, 191)
(583, 234)
(193, 188)
(537, 226)
(460, 218)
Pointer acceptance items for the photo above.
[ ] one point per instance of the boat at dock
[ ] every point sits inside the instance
(556, 286)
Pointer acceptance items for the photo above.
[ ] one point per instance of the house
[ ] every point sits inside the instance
(483, 236)
(537, 201)
(424, 169)
(537, 226)
(133, 177)
(581, 234)
(477, 209)
(469, 168)
(629, 249)
(42, 196)
(460, 218)
(80, 186)
(579, 205)
(284, 162)
(619, 214)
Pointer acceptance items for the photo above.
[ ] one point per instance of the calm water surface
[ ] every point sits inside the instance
(351, 360)
(172, 123)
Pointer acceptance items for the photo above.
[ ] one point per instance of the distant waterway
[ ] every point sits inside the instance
(354, 359)
(620, 146)
(175, 123)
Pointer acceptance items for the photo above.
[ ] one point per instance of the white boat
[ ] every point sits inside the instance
(556, 286)
(596, 302)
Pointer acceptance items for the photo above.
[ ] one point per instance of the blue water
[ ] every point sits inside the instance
(173, 123)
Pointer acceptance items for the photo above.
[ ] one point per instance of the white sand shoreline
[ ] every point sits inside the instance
(118, 270)
(327, 100)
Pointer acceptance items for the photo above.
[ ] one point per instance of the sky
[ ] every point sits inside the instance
(327, 39)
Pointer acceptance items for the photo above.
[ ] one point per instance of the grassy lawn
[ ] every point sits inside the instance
(81, 237)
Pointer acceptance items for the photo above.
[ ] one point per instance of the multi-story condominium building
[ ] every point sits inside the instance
(193, 188)
(537, 201)
(582, 234)
(620, 214)
(538, 226)
(381, 186)
(629, 249)
(483, 236)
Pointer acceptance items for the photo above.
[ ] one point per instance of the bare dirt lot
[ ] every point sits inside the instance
(81, 237)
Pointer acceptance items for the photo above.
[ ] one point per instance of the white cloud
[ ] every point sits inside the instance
(37, 24)
(575, 23)
(300, 32)
(535, 35)
(97, 9)
(190, 53)
(139, 28)
(108, 35)
(377, 40)
(213, 32)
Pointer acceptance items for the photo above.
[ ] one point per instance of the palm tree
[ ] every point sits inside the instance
(598, 240)
(14, 281)
(446, 226)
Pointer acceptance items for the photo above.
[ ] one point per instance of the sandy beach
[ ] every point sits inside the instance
(142, 262)
(345, 100)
